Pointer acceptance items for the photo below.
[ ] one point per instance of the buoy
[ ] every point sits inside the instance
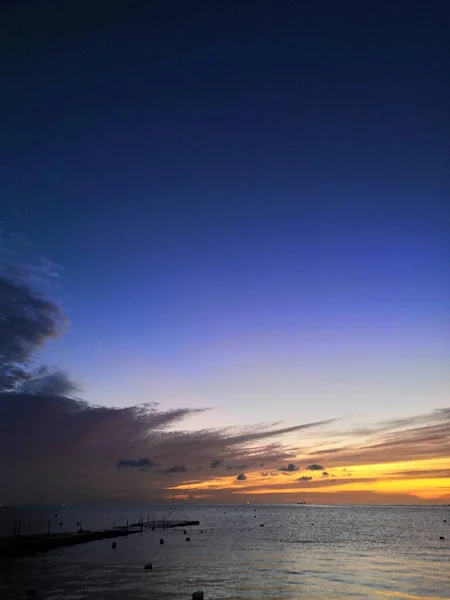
(198, 596)
(445, 520)
(442, 537)
(161, 541)
(148, 566)
(188, 539)
(184, 531)
(262, 525)
(114, 545)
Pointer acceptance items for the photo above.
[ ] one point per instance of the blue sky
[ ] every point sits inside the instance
(249, 208)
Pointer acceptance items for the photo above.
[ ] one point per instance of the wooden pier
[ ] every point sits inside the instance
(31, 545)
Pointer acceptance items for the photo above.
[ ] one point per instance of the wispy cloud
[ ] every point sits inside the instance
(383, 445)
(431, 473)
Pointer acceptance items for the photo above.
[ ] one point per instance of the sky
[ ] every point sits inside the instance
(241, 209)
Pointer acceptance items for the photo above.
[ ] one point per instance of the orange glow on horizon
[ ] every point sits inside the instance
(401, 478)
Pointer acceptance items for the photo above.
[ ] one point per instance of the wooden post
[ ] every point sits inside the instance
(148, 519)
(163, 522)
(18, 528)
(127, 525)
(48, 527)
(15, 527)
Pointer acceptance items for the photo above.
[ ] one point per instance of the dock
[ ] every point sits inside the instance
(31, 545)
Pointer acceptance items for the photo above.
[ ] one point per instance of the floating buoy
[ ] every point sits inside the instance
(262, 525)
(198, 596)
(161, 541)
(442, 537)
(148, 566)
(445, 520)
(114, 545)
(188, 539)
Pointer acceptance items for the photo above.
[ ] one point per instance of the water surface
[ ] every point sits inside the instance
(301, 552)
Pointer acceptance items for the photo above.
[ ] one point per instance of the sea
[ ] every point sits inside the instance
(247, 552)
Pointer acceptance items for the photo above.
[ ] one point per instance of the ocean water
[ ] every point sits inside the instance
(301, 552)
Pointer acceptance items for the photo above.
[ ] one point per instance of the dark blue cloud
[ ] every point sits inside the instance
(135, 463)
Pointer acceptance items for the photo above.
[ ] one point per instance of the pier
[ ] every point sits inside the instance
(23, 545)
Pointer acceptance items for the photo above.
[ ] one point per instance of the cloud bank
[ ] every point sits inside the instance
(50, 442)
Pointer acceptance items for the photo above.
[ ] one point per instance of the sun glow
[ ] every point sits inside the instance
(425, 479)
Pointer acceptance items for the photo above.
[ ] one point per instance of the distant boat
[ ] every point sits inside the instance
(302, 502)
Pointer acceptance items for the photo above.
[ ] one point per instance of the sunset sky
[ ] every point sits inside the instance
(242, 210)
